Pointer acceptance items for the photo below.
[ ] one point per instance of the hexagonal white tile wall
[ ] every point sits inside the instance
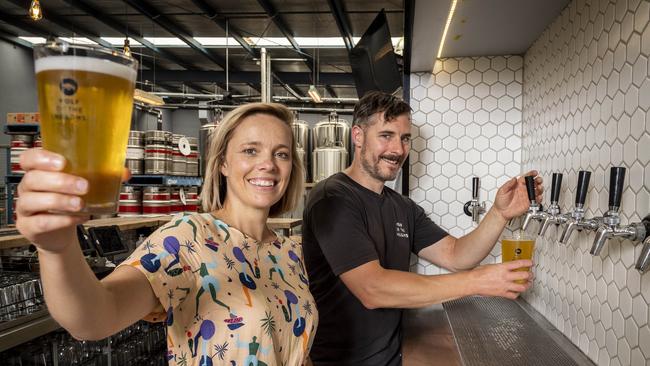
(585, 108)
(579, 99)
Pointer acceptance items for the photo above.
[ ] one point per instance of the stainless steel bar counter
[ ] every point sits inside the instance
(484, 331)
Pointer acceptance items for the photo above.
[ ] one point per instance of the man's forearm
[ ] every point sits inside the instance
(399, 289)
(472, 248)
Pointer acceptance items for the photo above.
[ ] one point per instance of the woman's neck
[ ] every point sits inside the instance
(251, 222)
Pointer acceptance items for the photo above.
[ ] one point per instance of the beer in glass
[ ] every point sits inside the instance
(85, 98)
(517, 246)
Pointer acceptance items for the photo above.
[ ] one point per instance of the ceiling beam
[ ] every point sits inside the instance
(120, 27)
(252, 77)
(59, 20)
(170, 26)
(18, 22)
(342, 22)
(233, 32)
(12, 38)
(213, 14)
(281, 24)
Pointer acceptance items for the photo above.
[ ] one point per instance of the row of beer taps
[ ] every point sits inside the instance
(606, 226)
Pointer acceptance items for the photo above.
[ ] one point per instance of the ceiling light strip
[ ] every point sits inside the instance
(444, 33)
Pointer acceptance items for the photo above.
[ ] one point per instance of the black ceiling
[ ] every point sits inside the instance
(208, 18)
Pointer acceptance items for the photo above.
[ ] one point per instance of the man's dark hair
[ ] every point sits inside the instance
(374, 102)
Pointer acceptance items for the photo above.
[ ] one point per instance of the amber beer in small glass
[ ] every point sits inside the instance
(85, 98)
(517, 246)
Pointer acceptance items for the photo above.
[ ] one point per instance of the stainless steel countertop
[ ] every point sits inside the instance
(428, 338)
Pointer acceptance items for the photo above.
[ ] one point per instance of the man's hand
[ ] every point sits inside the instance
(512, 199)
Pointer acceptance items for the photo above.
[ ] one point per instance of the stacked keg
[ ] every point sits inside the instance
(135, 152)
(155, 200)
(191, 199)
(169, 162)
(176, 205)
(193, 157)
(179, 161)
(130, 203)
(331, 141)
(156, 152)
(19, 144)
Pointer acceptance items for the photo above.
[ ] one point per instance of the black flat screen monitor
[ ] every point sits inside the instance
(373, 60)
(107, 240)
(85, 242)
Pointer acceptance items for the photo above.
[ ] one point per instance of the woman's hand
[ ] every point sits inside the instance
(49, 201)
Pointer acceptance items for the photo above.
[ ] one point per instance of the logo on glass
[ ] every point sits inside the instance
(68, 86)
(518, 251)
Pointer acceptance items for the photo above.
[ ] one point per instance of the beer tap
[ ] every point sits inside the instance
(473, 208)
(610, 225)
(552, 214)
(535, 210)
(643, 262)
(577, 216)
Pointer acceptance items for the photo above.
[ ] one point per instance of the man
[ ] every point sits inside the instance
(358, 236)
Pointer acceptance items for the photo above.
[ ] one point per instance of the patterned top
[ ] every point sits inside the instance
(227, 299)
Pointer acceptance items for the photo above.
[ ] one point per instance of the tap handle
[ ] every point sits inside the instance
(555, 187)
(616, 179)
(583, 184)
(530, 188)
(475, 186)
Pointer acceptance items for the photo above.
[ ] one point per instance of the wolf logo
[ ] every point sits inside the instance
(68, 86)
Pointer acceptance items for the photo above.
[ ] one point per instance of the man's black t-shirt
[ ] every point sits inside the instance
(346, 225)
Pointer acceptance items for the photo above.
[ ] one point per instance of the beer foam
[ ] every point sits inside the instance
(91, 64)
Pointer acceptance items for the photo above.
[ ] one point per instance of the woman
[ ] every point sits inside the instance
(230, 290)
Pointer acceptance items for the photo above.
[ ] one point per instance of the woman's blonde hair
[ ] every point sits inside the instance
(215, 189)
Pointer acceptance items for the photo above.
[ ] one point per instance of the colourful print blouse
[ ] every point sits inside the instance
(227, 299)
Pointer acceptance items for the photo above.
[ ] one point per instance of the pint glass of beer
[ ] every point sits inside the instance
(517, 246)
(85, 98)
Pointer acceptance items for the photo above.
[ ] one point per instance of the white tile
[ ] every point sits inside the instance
(450, 65)
(458, 78)
(639, 310)
(442, 78)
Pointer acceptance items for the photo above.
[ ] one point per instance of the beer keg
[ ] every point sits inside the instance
(130, 203)
(155, 200)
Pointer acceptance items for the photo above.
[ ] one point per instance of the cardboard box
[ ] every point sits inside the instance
(21, 117)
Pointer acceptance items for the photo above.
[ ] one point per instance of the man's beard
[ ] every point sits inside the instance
(373, 169)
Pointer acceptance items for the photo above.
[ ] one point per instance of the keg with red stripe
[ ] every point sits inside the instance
(19, 144)
(135, 152)
(191, 199)
(178, 159)
(193, 159)
(155, 159)
(38, 142)
(155, 200)
(175, 204)
(130, 203)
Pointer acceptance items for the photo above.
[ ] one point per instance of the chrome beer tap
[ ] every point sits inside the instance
(474, 208)
(552, 214)
(577, 219)
(535, 210)
(610, 226)
(643, 262)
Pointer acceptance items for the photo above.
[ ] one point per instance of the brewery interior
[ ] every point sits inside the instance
(496, 88)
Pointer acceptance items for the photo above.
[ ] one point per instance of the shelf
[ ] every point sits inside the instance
(13, 178)
(25, 329)
(22, 129)
(164, 180)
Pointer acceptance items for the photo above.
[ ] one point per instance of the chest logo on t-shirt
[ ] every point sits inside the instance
(400, 230)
